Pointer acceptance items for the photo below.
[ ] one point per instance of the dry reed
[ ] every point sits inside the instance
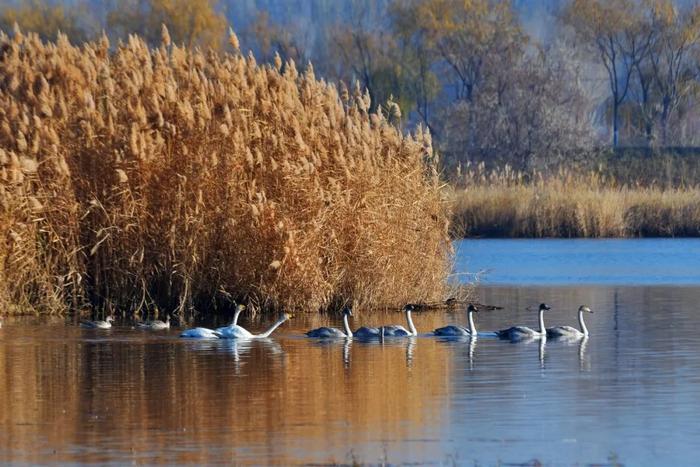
(506, 203)
(178, 179)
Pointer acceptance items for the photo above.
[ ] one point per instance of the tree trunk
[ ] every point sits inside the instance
(615, 128)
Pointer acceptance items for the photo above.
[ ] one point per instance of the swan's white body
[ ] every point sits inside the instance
(367, 333)
(570, 332)
(201, 333)
(106, 324)
(524, 332)
(455, 330)
(392, 330)
(330, 333)
(156, 325)
(235, 331)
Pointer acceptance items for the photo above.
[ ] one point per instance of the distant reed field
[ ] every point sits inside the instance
(506, 203)
(179, 179)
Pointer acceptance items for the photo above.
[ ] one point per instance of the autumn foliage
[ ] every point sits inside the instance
(135, 178)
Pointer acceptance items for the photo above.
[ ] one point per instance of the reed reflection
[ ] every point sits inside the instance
(139, 393)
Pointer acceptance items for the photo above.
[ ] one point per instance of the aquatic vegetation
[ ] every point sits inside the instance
(507, 203)
(182, 179)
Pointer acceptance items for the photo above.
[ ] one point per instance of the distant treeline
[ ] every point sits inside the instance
(609, 73)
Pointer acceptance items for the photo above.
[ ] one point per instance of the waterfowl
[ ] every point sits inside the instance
(456, 330)
(392, 330)
(239, 310)
(201, 333)
(99, 324)
(523, 332)
(155, 325)
(234, 322)
(570, 332)
(326, 332)
(238, 332)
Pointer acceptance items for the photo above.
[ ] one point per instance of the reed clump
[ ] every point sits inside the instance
(507, 203)
(179, 179)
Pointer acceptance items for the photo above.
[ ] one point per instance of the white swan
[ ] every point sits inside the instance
(523, 332)
(326, 332)
(568, 331)
(239, 310)
(201, 333)
(106, 324)
(238, 332)
(234, 322)
(456, 330)
(392, 330)
(155, 325)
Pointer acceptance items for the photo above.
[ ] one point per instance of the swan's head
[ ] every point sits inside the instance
(544, 306)
(240, 307)
(347, 311)
(109, 319)
(584, 308)
(471, 308)
(408, 308)
(286, 316)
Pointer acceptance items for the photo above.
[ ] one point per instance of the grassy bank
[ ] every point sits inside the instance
(176, 179)
(504, 203)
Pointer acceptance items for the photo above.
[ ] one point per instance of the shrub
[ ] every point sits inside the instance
(182, 179)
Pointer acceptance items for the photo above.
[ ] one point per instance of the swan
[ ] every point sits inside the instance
(392, 330)
(155, 325)
(201, 333)
(326, 332)
(106, 324)
(523, 332)
(239, 310)
(568, 331)
(238, 332)
(234, 322)
(456, 330)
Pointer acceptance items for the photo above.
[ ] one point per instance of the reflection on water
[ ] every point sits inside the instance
(121, 396)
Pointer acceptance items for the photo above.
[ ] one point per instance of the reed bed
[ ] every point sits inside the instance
(507, 203)
(178, 180)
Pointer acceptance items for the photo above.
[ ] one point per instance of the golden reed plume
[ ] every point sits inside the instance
(182, 179)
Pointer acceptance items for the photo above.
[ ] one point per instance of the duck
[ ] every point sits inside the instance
(392, 330)
(326, 332)
(98, 324)
(155, 325)
(238, 332)
(571, 332)
(523, 332)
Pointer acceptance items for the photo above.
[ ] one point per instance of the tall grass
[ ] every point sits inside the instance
(178, 179)
(507, 203)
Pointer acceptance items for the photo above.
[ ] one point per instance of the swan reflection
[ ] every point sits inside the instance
(462, 340)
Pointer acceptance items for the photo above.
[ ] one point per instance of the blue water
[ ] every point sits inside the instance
(627, 395)
(551, 262)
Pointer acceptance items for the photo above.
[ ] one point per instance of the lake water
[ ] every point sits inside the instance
(630, 394)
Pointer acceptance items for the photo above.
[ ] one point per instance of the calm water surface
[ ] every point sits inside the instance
(629, 394)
